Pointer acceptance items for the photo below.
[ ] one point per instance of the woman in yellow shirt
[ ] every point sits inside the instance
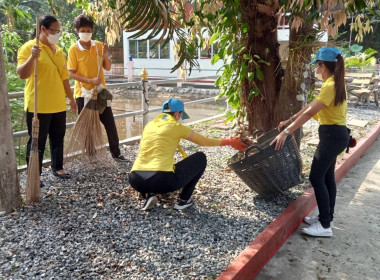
(53, 87)
(330, 109)
(154, 171)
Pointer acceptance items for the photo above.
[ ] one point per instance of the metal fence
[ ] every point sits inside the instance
(144, 101)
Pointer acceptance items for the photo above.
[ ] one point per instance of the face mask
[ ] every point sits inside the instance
(318, 75)
(85, 37)
(53, 39)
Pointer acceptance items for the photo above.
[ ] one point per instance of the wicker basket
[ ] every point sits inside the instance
(267, 171)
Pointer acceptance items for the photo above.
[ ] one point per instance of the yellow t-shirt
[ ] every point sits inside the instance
(85, 63)
(51, 94)
(158, 144)
(330, 114)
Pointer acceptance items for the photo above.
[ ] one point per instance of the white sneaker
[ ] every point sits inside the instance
(317, 229)
(150, 202)
(314, 219)
(181, 204)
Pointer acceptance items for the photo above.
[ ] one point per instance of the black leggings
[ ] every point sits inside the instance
(54, 125)
(333, 139)
(186, 175)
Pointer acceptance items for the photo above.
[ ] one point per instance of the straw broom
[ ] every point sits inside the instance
(33, 183)
(86, 137)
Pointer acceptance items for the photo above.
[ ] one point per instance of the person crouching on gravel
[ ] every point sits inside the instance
(154, 171)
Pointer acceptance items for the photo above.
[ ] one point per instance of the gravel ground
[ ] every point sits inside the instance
(91, 226)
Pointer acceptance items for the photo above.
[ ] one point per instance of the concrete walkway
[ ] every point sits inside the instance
(354, 250)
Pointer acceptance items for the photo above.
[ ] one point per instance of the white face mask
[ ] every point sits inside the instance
(85, 37)
(53, 39)
(318, 75)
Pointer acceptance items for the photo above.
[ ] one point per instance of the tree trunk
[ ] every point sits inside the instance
(297, 81)
(9, 185)
(262, 41)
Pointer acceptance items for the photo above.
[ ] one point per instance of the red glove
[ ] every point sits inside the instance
(235, 143)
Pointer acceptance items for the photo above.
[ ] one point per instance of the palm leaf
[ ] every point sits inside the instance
(153, 17)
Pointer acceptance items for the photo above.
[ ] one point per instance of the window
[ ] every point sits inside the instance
(154, 50)
(206, 53)
(165, 51)
(209, 52)
(143, 45)
(139, 49)
(133, 48)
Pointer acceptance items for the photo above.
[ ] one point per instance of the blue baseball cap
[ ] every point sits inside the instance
(326, 54)
(174, 105)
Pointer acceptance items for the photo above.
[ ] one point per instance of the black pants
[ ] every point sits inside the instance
(186, 175)
(53, 124)
(333, 139)
(108, 121)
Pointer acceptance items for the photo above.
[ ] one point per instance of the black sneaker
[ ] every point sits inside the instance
(150, 202)
(121, 158)
(182, 204)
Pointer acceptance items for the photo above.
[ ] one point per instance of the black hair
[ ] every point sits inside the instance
(45, 21)
(337, 68)
(83, 21)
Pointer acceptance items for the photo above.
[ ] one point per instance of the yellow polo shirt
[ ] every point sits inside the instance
(330, 114)
(85, 63)
(52, 71)
(159, 142)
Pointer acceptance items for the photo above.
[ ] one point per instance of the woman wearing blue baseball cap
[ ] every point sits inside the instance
(329, 108)
(154, 171)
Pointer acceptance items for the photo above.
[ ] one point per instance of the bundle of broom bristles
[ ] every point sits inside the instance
(86, 141)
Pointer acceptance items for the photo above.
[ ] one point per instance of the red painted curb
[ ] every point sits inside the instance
(255, 256)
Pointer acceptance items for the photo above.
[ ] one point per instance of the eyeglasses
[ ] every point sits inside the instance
(55, 31)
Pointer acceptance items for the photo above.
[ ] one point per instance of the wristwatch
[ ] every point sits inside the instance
(287, 132)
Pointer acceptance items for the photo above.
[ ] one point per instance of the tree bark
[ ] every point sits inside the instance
(297, 81)
(262, 41)
(9, 186)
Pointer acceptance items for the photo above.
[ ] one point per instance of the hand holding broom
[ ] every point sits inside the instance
(86, 136)
(33, 183)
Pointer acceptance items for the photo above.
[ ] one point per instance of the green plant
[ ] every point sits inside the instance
(362, 60)
(11, 42)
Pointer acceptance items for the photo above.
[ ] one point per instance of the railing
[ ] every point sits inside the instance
(144, 101)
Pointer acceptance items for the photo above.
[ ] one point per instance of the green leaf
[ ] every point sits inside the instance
(244, 28)
(253, 93)
(215, 58)
(214, 37)
(251, 76)
(259, 74)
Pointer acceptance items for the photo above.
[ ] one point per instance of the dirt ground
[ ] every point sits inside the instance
(353, 252)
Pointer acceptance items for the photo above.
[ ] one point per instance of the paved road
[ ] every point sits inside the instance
(354, 250)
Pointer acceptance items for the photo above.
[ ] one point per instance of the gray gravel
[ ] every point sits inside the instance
(91, 226)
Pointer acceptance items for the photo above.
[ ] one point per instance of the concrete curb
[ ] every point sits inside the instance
(254, 257)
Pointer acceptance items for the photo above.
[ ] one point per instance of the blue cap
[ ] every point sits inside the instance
(174, 105)
(326, 54)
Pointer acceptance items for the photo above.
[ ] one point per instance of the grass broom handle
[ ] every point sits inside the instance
(36, 67)
(101, 63)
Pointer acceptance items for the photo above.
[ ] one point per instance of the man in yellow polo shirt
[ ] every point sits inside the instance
(154, 171)
(83, 64)
(53, 85)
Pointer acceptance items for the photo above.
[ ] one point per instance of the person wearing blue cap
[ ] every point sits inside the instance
(329, 108)
(154, 171)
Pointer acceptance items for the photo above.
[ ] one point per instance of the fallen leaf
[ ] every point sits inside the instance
(94, 216)
(237, 196)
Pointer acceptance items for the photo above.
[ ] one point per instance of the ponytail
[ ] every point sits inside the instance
(337, 68)
(340, 89)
